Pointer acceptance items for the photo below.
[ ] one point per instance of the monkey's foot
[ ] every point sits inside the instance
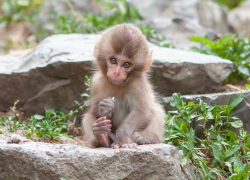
(144, 138)
(132, 145)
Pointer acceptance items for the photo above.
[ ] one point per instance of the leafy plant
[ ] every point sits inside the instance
(155, 37)
(228, 47)
(223, 153)
(9, 122)
(87, 83)
(53, 124)
(229, 3)
(117, 12)
(18, 10)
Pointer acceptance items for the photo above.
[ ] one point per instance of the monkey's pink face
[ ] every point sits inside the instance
(118, 69)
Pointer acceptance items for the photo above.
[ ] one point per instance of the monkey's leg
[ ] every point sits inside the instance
(145, 137)
(154, 132)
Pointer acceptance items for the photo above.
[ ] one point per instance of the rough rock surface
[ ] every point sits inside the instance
(242, 111)
(179, 30)
(212, 15)
(178, 20)
(41, 161)
(52, 75)
(239, 18)
(187, 72)
(151, 9)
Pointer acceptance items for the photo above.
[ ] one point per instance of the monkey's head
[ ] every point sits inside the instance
(121, 53)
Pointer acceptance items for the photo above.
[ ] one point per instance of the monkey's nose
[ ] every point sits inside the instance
(116, 74)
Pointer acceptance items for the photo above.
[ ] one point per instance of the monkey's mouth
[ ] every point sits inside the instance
(116, 82)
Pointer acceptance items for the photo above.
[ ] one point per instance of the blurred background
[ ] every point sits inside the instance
(168, 23)
(214, 27)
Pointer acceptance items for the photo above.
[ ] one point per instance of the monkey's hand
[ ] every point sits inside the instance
(101, 127)
(106, 107)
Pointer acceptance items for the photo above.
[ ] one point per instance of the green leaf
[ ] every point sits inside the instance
(173, 112)
(236, 100)
(238, 165)
(78, 103)
(39, 117)
(231, 151)
(244, 70)
(177, 100)
(247, 86)
(237, 124)
(233, 136)
(217, 153)
(65, 137)
(242, 175)
(245, 172)
(84, 95)
(184, 160)
(201, 40)
(23, 3)
(122, 7)
(229, 165)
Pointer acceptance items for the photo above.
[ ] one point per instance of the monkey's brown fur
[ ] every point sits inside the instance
(136, 117)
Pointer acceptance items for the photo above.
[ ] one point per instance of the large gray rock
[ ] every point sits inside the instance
(177, 20)
(212, 15)
(241, 111)
(179, 30)
(41, 161)
(187, 72)
(151, 9)
(239, 18)
(52, 75)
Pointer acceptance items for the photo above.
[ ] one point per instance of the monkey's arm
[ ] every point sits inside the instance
(96, 130)
(95, 124)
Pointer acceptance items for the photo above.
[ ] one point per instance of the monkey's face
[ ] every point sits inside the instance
(118, 68)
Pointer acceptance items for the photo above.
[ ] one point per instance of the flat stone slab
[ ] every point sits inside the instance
(42, 161)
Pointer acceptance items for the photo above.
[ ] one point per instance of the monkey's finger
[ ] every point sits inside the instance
(133, 145)
(101, 119)
(116, 146)
(102, 123)
(106, 103)
(101, 129)
(101, 132)
(125, 146)
(112, 99)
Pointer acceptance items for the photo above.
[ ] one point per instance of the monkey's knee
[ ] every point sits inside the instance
(144, 138)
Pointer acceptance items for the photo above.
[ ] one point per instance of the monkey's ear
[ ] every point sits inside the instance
(97, 47)
(148, 61)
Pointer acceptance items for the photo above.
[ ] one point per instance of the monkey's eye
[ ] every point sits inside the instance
(113, 60)
(126, 65)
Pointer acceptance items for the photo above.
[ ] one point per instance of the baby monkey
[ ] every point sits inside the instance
(123, 111)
